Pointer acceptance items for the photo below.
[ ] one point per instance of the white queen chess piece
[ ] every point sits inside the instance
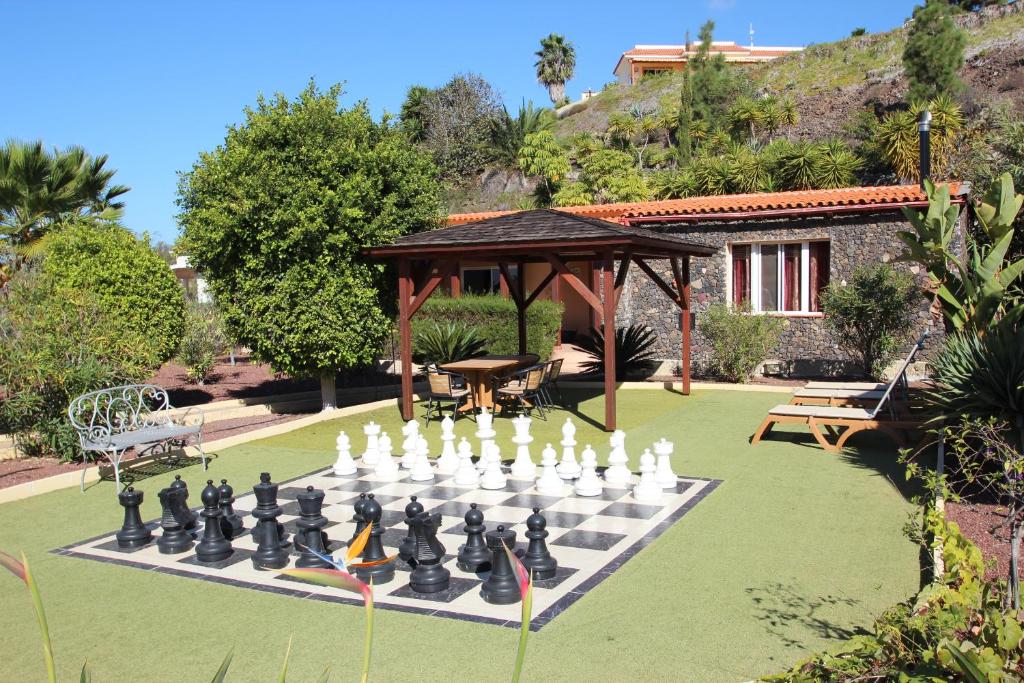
(647, 489)
(386, 467)
(344, 465)
(372, 452)
(549, 483)
(421, 467)
(523, 466)
(466, 474)
(589, 484)
(493, 478)
(664, 475)
(618, 473)
(448, 461)
(568, 468)
(485, 432)
(411, 432)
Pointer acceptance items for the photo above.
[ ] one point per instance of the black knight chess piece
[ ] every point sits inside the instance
(407, 547)
(474, 555)
(271, 552)
(538, 559)
(374, 550)
(230, 523)
(501, 586)
(358, 517)
(428, 576)
(214, 546)
(173, 537)
(187, 518)
(310, 538)
(133, 533)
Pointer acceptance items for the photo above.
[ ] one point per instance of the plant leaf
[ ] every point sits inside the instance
(522, 575)
(223, 670)
(283, 676)
(14, 566)
(86, 675)
(331, 578)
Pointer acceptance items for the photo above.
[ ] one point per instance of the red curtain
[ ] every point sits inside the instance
(818, 276)
(791, 275)
(741, 274)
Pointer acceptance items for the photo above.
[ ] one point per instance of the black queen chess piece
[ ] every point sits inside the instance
(230, 522)
(474, 555)
(374, 550)
(214, 546)
(133, 533)
(538, 559)
(310, 538)
(501, 586)
(187, 518)
(173, 537)
(406, 549)
(271, 549)
(428, 576)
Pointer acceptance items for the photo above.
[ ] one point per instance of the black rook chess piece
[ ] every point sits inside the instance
(538, 558)
(213, 547)
(174, 538)
(428, 576)
(270, 550)
(374, 550)
(230, 522)
(501, 587)
(407, 548)
(185, 516)
(474, 555)
(311, 536)
(359, 518)
(133, 532)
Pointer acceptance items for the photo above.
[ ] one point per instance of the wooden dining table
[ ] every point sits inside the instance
(480, 373)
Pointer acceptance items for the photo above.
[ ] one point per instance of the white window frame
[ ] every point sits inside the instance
(755, 275)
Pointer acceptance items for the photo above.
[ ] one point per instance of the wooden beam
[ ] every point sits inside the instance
(607, 269)
(682, 271)
(519, 294)
(620, 277)
(664, 286)
(430, 285)
(574, 281)
(405, 335)
(455, 284)
(540, 288)
(556, 296)
(511, 286)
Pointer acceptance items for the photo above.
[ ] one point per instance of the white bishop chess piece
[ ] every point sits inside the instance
(411, 432)
(568, 468)
(618, 473)
(647, 489)
(523, 466)
(344, 465)
(549, 483)
(493, 478)
(664, 475)
(372, 452)
(466, 474)
(386, 467)
(421, 467)
(485, 432)
(589, 484)
(448, 461)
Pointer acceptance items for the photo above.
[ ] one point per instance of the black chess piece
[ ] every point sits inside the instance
(538, 559)
(406, 549)
(133, 533)
(230, 523)
(271, 550)
(474, 555)
(374, 550)
(213, 547)
(173, 538)
(501, 586)
(428, 576)
(187, 518)
(359, 518)
(311, 523)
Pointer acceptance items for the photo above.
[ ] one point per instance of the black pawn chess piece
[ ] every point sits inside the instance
(310, 536)
(213, 547)
(187, 518)
(474, 555)
(406, 549)
(133, 533)
(270, 551)
(359, 518)
(230, 522)
(173, 538)
(428, 576)
(374, 550)
(537, 559)
(501, 586)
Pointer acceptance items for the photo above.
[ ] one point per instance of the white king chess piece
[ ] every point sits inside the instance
(344, 465)
(647, 490)
(549, 483)
(664, 475)
(485, 432)
(421, 468)
(493, 478)
(411, 432)
(448, 461)
(372, 452)
(466, 474)
(589, 484)
(568, 468)
(386, 467)
(618, 473)
(523, 466)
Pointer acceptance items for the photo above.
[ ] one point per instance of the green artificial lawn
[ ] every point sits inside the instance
(796, 549)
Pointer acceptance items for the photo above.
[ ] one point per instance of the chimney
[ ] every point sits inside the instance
(924, 127)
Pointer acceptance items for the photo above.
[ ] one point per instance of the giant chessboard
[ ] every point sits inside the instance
(590, 537)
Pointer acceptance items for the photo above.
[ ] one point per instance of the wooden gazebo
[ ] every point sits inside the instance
(426, 260)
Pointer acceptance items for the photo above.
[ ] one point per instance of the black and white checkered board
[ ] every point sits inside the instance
(590, 538)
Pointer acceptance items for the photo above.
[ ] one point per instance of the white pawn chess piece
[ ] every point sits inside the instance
(448, 461)
(421, 467)
(493, 478)
(485, 432)
(618, 462)
(411, 432)
(523, 466)
(589, 484)
(664, 475)
(386, 467)
(568, 468)
(647, 490)
(344, 465)
(549, 483)
(466, 474)
(372, 452)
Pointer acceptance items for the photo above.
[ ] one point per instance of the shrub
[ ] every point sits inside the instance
(203, 341)
(448, 342)
(738, 339)
(632, 350)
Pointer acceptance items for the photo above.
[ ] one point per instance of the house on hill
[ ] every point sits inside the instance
(645, 60)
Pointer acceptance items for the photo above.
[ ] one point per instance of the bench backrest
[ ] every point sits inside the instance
(119, 409)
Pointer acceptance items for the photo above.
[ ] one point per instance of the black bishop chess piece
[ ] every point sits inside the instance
(538, 559)
(133, 533)
(374, 550)
(310, 538)
(428, 575)
(501, 586)
(406, 549)
(474, 555)
(358, 517)
(271, 552)
(230, 523)
(214, 546)
(187, 518)
(173, 537)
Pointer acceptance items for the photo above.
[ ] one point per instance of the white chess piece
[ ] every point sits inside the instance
(523, 466)
(372, 452)
(421, 467)
(589, 484)
(618, 461)
(549, 483)
(568, 468)
(466, 474)
(664, 475)
(344, 465)
(448, 461)
(411, 432)
(386, 467)
(493, 478)
(647, 490)
(485, 432)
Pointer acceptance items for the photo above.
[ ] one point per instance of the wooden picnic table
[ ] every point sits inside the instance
(480, 373)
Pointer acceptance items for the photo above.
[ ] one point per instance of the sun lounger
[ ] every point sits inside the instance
(849, 386)
(836, 397)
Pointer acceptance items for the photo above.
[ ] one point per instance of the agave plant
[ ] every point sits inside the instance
(448, 342)
(633, 350)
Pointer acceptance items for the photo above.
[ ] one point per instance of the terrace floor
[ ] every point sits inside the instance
(794, 549)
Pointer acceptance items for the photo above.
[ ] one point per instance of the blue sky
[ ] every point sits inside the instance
(152, 84)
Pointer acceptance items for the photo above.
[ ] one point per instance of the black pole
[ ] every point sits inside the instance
(924, 127)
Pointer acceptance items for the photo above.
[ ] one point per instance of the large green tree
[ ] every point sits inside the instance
(934, 52)
(556, 62)
(277, 218)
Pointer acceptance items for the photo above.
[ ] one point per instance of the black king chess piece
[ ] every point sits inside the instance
(474, 555)
(501, 586)
(213, 547)
(133, 533)
(230, 522)
(406, 549)
(311, 523)
(173, 538)
(428, 576)
(271, 550)
(374, 550)
(538, 558)
(181, 511)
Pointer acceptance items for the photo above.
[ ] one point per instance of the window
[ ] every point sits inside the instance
(784, 277)
(484, 280)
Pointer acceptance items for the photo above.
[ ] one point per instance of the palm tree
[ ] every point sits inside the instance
(746, 116)
(508, 133)
(556, 61)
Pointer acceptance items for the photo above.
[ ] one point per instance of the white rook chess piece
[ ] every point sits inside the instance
(386, 467)
(618, 473)
(523, 466)
(485, 432)
(549, 483)
(589, 484)
(466, 474)
(421, 468)
(448, 461)
(568, 468)
(647, 490)
(411, 432)
(493, 477)
(344, 465)
(664, 475)
(372, 452)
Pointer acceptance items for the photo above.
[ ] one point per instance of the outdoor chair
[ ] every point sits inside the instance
(552, 371)
(524, 389)
(446, 389)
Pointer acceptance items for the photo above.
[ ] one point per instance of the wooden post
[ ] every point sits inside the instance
(405, 335)
(556, 296)
(607, 272)
(684, 320)
(455, 284)
(520, 285)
